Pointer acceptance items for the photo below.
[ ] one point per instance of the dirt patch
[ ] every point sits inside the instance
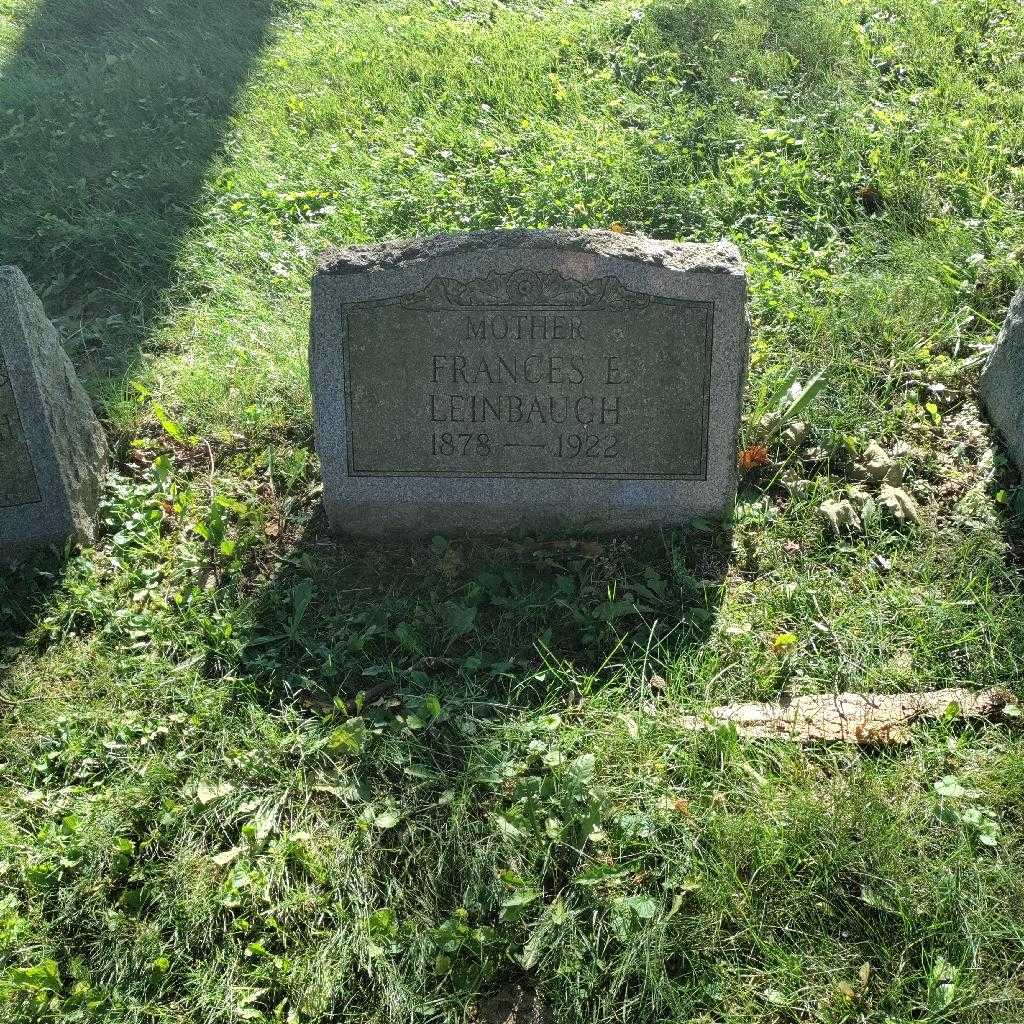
(513, 1004)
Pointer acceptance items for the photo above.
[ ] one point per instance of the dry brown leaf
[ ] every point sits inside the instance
(874, 464)
(899, 505)
(841, 517)
(864, 975)
(208, 792)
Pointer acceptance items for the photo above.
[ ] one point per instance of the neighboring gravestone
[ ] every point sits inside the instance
(52, 446)
(548, 379)
(1002, 382)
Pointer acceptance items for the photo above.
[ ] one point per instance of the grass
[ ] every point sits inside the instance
(195, 826)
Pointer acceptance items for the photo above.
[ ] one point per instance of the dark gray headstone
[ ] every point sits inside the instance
(1002, 382)
(53, 447)
(490, 380)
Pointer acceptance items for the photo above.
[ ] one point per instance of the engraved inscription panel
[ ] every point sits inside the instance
(18, 485)
(528, 375)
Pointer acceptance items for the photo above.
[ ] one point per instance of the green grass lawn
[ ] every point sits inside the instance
(199, 819)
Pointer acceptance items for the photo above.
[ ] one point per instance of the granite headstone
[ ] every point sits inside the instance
(53, 447)
(1002, 382)
(550, 379)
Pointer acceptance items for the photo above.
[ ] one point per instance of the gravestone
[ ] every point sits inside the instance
(1002, 382)
(52, 446)
(551, 379)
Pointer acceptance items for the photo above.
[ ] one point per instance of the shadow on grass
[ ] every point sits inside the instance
(24, 596)
(451, 643)
(517, 622)
(1006, 489)
(110, 116)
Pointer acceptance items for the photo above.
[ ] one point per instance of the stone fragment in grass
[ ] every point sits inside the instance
(1002, 382)
(840, 516)
(858, 718)
(52, 448)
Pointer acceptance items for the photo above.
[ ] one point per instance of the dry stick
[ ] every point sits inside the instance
(856, 718)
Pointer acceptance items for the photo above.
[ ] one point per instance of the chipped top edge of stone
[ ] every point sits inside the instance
(721, 257)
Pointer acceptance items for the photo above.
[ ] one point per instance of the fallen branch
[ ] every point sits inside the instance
(860, 718)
